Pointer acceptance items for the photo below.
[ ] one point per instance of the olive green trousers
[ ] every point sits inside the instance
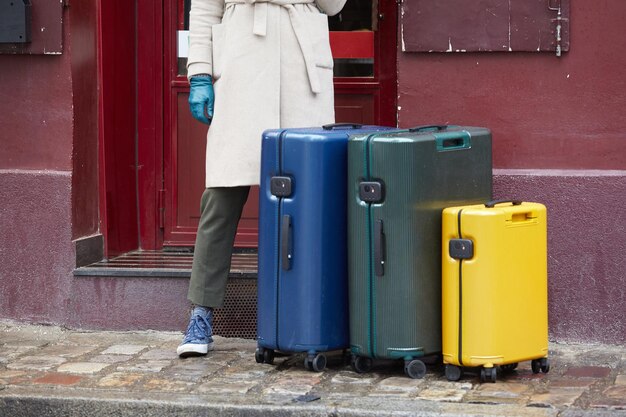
(220, 211)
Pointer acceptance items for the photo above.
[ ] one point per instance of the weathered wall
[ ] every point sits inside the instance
(586, 229)
(562, 121)
(48, 169)
(544, 111)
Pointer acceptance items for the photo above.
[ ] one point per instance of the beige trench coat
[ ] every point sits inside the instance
(272, 68)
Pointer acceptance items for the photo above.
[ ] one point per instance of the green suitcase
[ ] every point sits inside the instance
(398, 183)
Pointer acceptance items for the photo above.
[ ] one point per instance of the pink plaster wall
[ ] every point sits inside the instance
(544, 111)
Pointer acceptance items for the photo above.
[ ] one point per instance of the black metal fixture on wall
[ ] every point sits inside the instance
(15, 21)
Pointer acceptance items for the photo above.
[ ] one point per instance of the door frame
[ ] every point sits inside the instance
(150, 121)
(153, 19)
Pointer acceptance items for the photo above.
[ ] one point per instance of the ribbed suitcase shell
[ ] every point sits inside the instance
(398, 315)
(495, 304)
(303, 307)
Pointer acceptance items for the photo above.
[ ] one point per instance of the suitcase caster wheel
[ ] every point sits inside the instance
(509, 367)
(315, 363)
(319, 362)
(488, 374)
(361, 364)
(415, 369)
(453, 373)
(268, 356)
(258, 355)
(540, 365)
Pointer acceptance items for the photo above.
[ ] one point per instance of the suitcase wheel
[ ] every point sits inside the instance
(453, 373)
(415, 369)
(264, 355)
(509, 367)
(488, 374)
(314, 362)
(540, 365)
(361, 364)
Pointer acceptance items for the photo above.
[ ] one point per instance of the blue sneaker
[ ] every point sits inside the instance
(198, 340)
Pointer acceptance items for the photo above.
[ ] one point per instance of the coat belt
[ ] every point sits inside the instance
(297, 23)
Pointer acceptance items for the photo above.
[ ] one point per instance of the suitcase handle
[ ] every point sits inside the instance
(285, 242)
(334, 126)
(428, 127)
(379, 248)
(453, 141)
(492, 203)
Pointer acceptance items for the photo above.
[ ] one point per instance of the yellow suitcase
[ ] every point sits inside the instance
(495, 288)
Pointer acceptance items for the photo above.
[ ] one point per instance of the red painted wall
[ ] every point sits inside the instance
(83, 57)
(544, 111)
(36, 111)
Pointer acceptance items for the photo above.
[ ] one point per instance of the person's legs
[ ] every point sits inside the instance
(220, 213)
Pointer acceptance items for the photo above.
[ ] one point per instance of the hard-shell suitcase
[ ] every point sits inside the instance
(398, 184)
(495, 291)
(302, 303)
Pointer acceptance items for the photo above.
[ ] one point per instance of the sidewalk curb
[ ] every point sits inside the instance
(19, 403)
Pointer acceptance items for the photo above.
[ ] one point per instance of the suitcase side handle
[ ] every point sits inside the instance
(379, 248)
(453, 141)
(428, 127)
(492, 203)
(334, 126)
(285, 242)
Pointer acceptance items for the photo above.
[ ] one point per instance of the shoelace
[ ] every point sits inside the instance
(195, 330)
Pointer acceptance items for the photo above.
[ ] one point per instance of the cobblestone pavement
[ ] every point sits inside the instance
(46, 371)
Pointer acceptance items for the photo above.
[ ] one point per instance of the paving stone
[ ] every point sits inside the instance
(167, 385)
(612, 397)
(11, 374)
(83, 367)
(56, 378)
(445, 391)
(352, 378)
(124, 350)
(192, 369)
(588, 372)
(66, 351)
(400, 384)
(556, 397)
(147, 366)
(500, 392)
(222, 358)
(159, 354)
(119, 380)
(572, 383)
(112, 359)
(12, 352)
(39, 363)
(226, 386)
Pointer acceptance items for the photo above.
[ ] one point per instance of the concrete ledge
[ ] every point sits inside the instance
(30, 404)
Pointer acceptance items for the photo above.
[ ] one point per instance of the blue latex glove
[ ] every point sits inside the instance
(201, 98)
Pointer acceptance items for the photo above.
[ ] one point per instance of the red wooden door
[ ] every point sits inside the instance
(363, 40)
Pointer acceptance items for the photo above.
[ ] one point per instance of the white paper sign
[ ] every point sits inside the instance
(183, 43)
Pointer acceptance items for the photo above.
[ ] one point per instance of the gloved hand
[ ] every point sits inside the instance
(201, 98)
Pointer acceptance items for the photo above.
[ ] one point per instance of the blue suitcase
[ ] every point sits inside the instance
(302, 303)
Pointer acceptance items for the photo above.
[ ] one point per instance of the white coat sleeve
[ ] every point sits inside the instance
(331, 7)
(202, 16)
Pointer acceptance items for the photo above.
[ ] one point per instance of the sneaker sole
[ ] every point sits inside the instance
(193, 349)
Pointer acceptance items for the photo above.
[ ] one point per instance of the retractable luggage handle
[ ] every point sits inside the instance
(334, 126)
(492, 203)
